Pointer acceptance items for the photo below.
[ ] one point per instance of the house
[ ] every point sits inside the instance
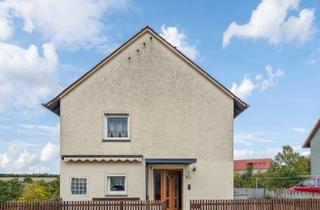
(257, 165)
(313, 142)
(146, 122)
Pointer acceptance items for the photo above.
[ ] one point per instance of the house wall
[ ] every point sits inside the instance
(315, 154)
(96, 174)
(174, 112)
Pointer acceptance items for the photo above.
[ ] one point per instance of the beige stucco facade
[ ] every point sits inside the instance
(174, 112)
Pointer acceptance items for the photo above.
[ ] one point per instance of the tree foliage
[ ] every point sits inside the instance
(10, 190)
(29, 190)
(288, 168)
(40, 191)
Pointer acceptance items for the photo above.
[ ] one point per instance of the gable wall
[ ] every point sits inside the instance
(315, 154)
(169, 104)
(174, 112)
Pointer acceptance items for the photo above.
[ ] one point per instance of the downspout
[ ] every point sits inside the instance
(147, 182)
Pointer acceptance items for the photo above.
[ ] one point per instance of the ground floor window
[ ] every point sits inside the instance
(79, 186)
(117, 184)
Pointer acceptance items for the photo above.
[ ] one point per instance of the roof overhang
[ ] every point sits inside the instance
(169, 161)
(102, 158)
(239, 105)
(315, 129)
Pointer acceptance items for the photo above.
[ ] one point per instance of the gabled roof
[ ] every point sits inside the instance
(257, 164)
(311, 135)
(54, 104)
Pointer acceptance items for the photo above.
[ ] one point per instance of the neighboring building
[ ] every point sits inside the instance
(146, 122)
(313, 142)
(258, 165)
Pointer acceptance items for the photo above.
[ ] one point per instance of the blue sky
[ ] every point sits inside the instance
(265, 51)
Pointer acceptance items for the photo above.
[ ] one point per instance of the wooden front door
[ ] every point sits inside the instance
(167, 186)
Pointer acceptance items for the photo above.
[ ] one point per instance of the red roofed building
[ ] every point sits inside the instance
(258, 165)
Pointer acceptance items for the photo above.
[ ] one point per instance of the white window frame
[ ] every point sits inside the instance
(105, 130)
(109, 192)
(79, 177)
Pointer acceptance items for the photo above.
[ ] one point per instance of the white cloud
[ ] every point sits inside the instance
(34, 127)
(242, 154)
(179, 40)
(244, 89)
(247, 138)
(271, 152)
(19, 159)
(26, 78)
(272, 78)
(250, 153)
(314, 57)
(261, 83)
(299, 130)
(6, 29)
(49, 152)
(271, 21)
(67, 24)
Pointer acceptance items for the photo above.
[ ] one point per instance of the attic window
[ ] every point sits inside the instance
(117, 127)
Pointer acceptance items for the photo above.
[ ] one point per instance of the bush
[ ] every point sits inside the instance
(10, 190)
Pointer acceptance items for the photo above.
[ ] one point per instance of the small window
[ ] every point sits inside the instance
(78, 186)
(117, 127)
(117, 184)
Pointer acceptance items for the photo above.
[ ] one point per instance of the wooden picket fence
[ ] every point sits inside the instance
(84, 205)
(262, 204)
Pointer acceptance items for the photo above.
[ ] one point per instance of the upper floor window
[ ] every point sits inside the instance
(117, 127)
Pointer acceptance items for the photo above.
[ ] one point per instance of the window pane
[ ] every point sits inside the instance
(117, 127)
(309, 183)
(79, 186)
(157, 185)
(117, 183)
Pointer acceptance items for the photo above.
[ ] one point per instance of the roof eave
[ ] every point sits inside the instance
(53, 106)
(315, 129)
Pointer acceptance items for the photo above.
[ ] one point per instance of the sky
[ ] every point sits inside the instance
(265, 51)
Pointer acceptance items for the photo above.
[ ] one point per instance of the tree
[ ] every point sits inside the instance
(288, 168)
(40, 191)
(27, 179)
(10, 190)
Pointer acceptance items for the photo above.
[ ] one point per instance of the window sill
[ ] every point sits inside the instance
(116, 140)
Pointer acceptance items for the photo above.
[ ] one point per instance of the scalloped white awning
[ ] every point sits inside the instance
(102, 158)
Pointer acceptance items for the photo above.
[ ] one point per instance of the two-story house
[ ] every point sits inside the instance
(146, 122)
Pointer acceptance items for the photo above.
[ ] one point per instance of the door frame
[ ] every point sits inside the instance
(179, 168)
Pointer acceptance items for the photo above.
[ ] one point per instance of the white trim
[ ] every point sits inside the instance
(105, 126)
(70, 185)
(107, 184)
